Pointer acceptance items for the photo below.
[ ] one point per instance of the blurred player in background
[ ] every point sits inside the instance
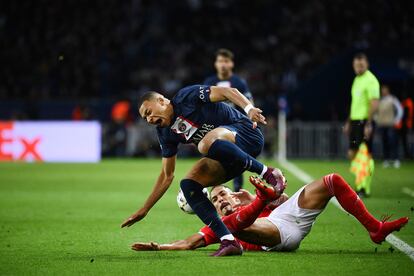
(284, 228)
(405, 126)
(390, 113)
(365, 94)
(225, 77)
(227, 138)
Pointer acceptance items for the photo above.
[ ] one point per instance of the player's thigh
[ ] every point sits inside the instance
(314, 196)
(207, 172)
(262, 232)
(220, 133)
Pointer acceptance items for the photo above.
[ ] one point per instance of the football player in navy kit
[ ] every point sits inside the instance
(228, 139)
(224, 65)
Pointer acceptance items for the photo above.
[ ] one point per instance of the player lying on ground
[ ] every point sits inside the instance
(228, 139)
(287, 225)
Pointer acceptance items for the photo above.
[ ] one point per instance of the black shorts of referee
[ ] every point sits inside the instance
(356, 135)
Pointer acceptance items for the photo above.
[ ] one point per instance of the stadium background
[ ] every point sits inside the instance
(76, 59)
(91, 60)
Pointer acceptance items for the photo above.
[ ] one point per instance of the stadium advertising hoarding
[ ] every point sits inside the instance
(50, 141)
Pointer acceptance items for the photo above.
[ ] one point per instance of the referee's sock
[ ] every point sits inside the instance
(228, 153)
(193, 192)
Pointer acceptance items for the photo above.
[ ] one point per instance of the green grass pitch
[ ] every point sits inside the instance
(65, 219)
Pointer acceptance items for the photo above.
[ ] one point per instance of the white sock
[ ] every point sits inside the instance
(228, 237)
(264, 170)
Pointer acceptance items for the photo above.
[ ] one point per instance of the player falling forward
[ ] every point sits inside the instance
(228, 139)
(287, 225)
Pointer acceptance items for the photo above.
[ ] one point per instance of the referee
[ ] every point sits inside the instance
(359, 126)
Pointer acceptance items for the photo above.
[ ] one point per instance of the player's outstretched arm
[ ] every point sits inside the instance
(192, 242)
(219, 94)
(161, 186)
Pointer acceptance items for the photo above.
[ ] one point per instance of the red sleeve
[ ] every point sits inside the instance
(208, 235)
(266, 212)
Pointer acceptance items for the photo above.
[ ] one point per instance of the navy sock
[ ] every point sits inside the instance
(204, 209)
(228, 153)
(238, 183)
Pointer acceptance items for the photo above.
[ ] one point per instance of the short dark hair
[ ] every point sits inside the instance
(360, 55)
(147, 96)
(221, 185)
(225, 53)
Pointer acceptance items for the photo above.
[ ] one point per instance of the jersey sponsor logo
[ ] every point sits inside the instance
(202, 93)
(189, 130)
(184, 127)
(205, 128)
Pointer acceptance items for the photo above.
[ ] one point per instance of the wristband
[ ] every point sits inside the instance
(247, 108)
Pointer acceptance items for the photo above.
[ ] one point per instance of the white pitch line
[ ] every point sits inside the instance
(408, 191)
(306, 178)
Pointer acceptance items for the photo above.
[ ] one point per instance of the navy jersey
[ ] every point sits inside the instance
(194, 117)
(235, 82)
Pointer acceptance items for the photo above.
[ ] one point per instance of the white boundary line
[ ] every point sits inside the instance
(306, 178)
(408, 191)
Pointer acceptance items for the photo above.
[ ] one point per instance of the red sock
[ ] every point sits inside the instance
(350, 201)
(245, 216)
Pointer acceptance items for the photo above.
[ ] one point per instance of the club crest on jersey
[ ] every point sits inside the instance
(184, 127)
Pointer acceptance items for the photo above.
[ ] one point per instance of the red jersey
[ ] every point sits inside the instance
(210, 237)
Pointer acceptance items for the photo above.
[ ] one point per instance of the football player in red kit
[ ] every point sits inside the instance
(283, 228)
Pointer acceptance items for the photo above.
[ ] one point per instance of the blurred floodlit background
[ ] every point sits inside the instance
(91, 60)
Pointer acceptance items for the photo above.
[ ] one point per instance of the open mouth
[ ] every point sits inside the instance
(223, 205)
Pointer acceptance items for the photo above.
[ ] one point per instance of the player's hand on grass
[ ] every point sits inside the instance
(145, 246)
(255, 114)
(137, 216)
(244, 196)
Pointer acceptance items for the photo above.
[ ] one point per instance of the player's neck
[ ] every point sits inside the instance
(224, 76)
(363, 72)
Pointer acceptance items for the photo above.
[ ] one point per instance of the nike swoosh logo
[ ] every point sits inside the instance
(238, 218)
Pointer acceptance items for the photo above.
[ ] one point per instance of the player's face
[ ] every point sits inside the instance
(224, 65)
(156, 112)
(360, 65)
(223, 201)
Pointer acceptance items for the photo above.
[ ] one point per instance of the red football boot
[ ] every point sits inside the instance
(386, 228)
(275, 178)
(263, 191)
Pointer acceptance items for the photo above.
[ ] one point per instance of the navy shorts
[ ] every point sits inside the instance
(248, 139)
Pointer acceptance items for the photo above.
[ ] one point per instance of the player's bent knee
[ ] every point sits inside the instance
(189, 185)
(205, 144)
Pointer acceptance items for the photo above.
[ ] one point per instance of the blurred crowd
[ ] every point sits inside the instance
(80, 51)
(112, 49)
